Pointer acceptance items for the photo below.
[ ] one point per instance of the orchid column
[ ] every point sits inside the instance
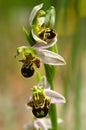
(42, 38)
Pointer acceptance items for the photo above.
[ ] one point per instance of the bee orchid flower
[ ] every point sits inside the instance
(44, 36)
(32, 56)
(42, 97)
(45, 56)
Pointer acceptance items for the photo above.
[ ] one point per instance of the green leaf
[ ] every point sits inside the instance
(29, 36)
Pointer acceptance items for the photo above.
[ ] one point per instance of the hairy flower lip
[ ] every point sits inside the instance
(34, 12)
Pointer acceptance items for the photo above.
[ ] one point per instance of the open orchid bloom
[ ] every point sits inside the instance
(32, 56)
(46, 56)
(44, 124)
(42, 97)
(45, 36)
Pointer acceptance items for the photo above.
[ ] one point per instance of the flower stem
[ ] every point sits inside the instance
(53, 116)
(53, 112)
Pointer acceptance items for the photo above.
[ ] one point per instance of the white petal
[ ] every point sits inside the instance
(49, 57)
(39, 124)
(28, 107)
(47, 121)
(36, 38)
(30, 99)
(55, 97)
(41, 45)
(34, 12)
(44, 123)
(43, 83)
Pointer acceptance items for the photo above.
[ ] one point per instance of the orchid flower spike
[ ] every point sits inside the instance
(42, 97)
(32, 56)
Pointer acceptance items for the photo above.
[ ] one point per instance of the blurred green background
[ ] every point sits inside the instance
(69, 79)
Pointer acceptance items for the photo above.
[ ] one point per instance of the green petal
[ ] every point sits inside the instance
(25, 50)
(50, 17)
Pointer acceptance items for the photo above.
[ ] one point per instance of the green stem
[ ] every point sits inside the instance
(53, 112)
(53, 117)
(38, 76)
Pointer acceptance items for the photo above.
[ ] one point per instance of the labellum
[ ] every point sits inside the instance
(27, 70)
(28, 67)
